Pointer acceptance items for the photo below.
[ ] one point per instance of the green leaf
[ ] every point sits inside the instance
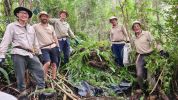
(5, 75)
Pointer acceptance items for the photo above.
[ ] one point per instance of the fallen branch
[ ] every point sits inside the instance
(65, 89)
(157, 82)
(68, 94)
(8, 86)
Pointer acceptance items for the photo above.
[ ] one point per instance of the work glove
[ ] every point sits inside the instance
(165, 54)
(2, 61)
(127, 41)
(76, 41)
(59, 49)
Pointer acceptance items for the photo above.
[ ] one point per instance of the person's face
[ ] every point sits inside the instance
(63, 16)
(23, 15)
(137, 28)
(44, 18)
(113, 22)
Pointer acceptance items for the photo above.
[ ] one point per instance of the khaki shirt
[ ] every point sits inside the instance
(143, 42)
(45, 35)
(62, 29)
(19, 35)
(118, 34)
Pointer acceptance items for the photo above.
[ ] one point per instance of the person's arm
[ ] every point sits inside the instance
(55, 37)
(125, 33)
(71, 32)
(6, 40)
(52, 20)
(153, 43)
(36, 45)
(110, 35)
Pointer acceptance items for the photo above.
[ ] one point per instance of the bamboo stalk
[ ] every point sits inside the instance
(65, 88)
(68, 94)
(157, 82)
(64, 97)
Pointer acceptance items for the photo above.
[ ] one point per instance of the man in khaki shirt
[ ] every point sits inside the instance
(48, 43)
(143, 43)
(24, 49)
(63, 31)
(118, 37)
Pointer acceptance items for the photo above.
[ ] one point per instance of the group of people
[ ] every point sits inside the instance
(51, 36)
(36, 47)
(143, 42)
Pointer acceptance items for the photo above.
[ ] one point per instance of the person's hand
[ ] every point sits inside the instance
(59, 49)
(76, 41)
(164, 53)
(127, 41)
(2, 60)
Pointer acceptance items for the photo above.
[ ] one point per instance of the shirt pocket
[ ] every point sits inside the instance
(19, 34)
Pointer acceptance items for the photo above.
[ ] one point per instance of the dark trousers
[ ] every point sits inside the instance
(33, 65)
(142, 73)
(65, 49)
(117, 50)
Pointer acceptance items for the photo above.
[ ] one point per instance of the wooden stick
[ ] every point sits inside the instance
(64, 97)
(69, 95)
(65, 92)
(157, 82)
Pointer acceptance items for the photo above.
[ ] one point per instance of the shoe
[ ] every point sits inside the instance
(23, 95)
(138, 91)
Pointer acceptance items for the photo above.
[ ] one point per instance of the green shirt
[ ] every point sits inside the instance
(62, 29)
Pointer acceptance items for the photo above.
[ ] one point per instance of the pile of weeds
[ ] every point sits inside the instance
(93, 62)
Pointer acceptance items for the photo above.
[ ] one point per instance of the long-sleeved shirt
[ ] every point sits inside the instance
(18, 35)
(143, 42)
(62, 29)
(118, 34)
(46, 35)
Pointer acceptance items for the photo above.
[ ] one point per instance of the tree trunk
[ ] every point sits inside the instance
(21, 3)
(7, 7)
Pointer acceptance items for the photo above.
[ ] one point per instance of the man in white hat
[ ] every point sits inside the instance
(48, 43)
(25, 48)
(118, 37)
(64, 33)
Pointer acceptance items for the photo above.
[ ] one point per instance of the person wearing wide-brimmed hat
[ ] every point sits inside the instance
(118, 38)
(64, 32)
(48, 43)
(24, 49)
(144, 44)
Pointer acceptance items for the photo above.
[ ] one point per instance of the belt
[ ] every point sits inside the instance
(46, 45)
(145, 54)
(118, 41)
(63, 38)
(28, 50)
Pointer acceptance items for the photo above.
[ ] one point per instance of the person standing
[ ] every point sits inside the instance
(25, 48)
(64, 32)
(48, 43)
(143, 42)
(118, 38)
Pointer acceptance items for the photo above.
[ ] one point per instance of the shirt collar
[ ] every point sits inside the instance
(115, 26)
(142, 33)
(64, 22)
(18, 24)
(42, 25)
